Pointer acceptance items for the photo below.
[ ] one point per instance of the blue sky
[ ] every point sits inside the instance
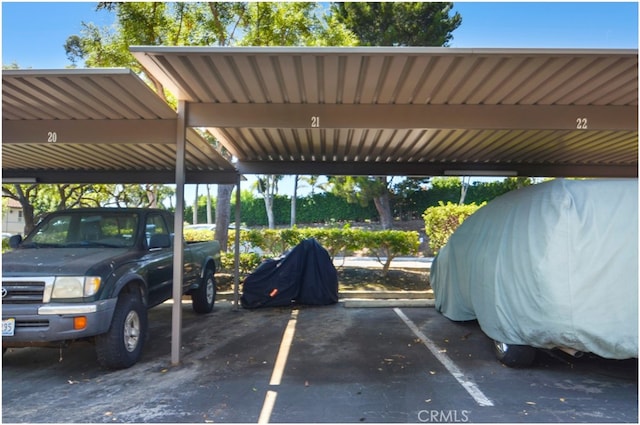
(34, 33)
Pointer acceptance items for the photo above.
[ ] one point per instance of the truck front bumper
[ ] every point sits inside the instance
(54, 323)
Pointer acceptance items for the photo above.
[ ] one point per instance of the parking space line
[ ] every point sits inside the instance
(283, 352)
(454, 370)
(278, 368)
(267, 407)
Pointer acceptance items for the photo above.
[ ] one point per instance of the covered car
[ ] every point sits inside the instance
(305, 275)
(553, 265)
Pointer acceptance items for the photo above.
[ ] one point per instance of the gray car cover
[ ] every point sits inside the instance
(550, 265)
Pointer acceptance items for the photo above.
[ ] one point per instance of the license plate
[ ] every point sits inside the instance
(8, 326)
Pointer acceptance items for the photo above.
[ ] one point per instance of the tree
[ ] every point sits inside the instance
(223, 214)
(293, 24)
(313, 182)
(288, 24)
(158, 23)
(405, 193)
(363, 190)
(294, 199)
(138, 195)
(399, 23)
(267, 186)
(37, 199)
(394, 24)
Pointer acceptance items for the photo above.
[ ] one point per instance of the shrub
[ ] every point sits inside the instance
(441, 221)
(199, 235)
(389, 244)
(249, 261)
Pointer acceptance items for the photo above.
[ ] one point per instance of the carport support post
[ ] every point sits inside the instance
(236, 243)
(178, 248)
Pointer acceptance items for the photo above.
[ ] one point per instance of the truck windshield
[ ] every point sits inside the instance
(85, 230)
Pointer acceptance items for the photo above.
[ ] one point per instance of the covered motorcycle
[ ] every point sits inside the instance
(305, 275)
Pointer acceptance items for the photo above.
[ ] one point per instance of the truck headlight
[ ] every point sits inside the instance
(75, 286)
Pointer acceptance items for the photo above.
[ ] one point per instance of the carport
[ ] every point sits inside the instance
(337, 111)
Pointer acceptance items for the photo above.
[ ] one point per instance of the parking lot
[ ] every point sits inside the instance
(315, 364)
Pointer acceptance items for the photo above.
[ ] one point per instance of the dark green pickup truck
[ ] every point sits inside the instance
(91, 274)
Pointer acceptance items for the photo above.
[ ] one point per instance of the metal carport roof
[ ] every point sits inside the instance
(96, 126)
(411, 111)
(105, 126)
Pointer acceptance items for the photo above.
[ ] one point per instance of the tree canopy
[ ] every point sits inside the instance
(399, 23)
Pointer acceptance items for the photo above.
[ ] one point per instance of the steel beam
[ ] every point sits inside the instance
(89, 131)
(437, 168)
(392, 116)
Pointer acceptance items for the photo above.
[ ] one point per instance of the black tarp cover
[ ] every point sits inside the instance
(305, 275)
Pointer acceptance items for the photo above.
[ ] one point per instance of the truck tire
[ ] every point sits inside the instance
(121, 346)
(514, 355)
(204, 297)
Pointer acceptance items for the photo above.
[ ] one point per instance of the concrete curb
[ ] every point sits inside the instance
(386, 295)
(356, 303)
(391, 296)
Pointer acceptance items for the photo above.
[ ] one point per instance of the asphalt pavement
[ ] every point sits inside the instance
(315, 364)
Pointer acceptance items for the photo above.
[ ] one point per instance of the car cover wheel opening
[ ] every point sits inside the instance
(514, 355)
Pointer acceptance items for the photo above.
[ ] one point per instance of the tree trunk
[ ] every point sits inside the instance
(152, 195)
(384, 210)
(464, 186)
(27, 209)
(223, 214)
(293, 201)
(194, 216)
(267, 186)
(208, 205)
(268, 204)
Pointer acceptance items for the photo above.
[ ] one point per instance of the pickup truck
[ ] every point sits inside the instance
(91, 274)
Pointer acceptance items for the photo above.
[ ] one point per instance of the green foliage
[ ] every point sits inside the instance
(249, 261)
(398, 23)
(318, 208)
(5, 245)
(386, 245)
(198, 235)
(441, 221)
(358, 189)
(292, 24)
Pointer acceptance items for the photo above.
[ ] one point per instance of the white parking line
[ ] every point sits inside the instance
(278, 368)
(446, 361)
(267, 407)
(283, 353)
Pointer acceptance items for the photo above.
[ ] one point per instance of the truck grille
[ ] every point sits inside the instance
(22, 291)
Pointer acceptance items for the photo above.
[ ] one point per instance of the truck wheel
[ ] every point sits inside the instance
(121, 346)
(514, 355)
(204, 297)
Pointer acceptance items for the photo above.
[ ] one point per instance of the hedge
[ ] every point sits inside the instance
(385, 245)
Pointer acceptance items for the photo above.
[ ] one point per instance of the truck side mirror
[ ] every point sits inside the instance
(14, 241)
(158, 241)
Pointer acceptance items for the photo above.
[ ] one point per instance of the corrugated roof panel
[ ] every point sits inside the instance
(511, 78)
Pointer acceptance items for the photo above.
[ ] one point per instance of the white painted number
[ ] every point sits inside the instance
(315, 122)
(52, 137)
(581, 123)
